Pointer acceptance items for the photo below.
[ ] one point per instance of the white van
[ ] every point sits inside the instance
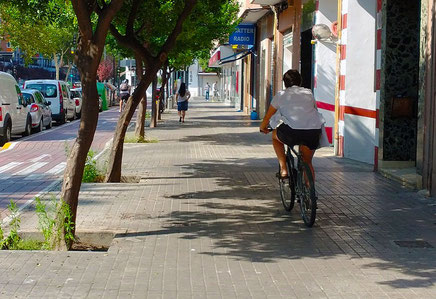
(58, 93)
(14, 117)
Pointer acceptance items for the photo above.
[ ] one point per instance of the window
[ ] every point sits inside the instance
(48, 90)
(28, 98)
(75, 94)
(190, 76)
(21, 100)
(64, 92)
(39, 98)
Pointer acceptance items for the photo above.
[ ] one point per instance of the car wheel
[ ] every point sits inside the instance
(28, 128)
(49, 124)
(63, 118)
(40, 127)
(78, 114)
(6, 134)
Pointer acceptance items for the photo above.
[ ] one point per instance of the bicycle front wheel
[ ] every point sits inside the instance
(307, 195)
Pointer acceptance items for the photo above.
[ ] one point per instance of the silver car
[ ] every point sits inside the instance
(39, 109)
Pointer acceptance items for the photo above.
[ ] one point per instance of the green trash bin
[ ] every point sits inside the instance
(102, 93)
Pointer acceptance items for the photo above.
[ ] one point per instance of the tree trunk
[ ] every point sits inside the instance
(70, 65)
(165, 77)
(57, 66)
(115, 160)
(140, 117)
(153, 122)
(76, 160)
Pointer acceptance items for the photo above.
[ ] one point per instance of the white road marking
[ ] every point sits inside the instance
(34, 177)
(31, 168)
(57, 169)
(9, 166)
(40, 158)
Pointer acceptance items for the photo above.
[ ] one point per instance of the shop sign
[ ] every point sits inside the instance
(243, 35)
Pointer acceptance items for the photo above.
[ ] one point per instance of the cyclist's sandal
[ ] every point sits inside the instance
(278, 175)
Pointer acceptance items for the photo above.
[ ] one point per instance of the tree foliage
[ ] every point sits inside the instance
(39, 27)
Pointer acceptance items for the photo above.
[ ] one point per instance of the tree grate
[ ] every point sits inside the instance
(413, 244)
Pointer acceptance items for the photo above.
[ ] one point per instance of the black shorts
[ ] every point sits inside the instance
(125, 97)
(291, 137)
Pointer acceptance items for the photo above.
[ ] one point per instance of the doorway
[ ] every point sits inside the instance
(306, 58)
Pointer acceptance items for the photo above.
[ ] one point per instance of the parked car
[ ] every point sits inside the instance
(58, 92)
(39, 109)
(14, 117)
(76, 94)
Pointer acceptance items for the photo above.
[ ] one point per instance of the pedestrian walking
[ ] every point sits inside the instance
(183, 96)
(124, 93)
(207, 90)
(215, 89)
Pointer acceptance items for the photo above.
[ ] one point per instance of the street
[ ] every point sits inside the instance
(33, 163)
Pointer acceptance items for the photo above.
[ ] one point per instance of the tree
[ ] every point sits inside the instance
(140, 29)
(51, 37)
(105, 70)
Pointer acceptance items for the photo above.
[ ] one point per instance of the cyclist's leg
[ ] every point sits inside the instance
(279, 148)
(121, 104)
(307, 155)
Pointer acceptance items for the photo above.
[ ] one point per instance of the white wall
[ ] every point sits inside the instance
(325, 65)
(359, 131)
(193, 79)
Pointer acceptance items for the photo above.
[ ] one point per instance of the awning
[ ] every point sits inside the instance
(266, 2)
(252, 15)
(236, 56)
(220, 52)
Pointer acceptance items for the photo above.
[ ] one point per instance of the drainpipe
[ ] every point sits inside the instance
(338, 73)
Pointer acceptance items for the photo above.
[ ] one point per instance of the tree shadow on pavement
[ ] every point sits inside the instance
(244, 218)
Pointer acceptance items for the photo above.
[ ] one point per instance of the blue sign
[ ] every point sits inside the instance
(244, 35)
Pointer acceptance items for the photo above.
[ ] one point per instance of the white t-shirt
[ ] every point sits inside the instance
(182, 99)
(296, 107)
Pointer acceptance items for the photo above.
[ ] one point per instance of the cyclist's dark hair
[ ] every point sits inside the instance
(182, 90)
(291, 78)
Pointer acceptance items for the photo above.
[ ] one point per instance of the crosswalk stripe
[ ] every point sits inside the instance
(40, 158)
(57, 169)
(31, 168)
(9, 166)
(34, 177)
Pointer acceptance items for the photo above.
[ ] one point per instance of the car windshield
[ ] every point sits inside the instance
(48, 90)
(75, 94)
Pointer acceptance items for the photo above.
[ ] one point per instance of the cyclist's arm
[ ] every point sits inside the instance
(264, 125)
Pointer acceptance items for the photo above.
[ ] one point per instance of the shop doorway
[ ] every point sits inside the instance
(306, 58)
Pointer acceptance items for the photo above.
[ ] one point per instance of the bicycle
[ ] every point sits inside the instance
(298, 184)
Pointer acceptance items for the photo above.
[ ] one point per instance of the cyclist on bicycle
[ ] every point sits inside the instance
(295, 121)
(124, 93)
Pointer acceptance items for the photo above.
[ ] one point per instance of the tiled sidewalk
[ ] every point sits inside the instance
(205, 221)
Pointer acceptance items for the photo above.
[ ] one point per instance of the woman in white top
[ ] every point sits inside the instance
(183, 96)
(294, 117)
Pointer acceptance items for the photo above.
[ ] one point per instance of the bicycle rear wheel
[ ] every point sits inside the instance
(287, 191)
(307, 195)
